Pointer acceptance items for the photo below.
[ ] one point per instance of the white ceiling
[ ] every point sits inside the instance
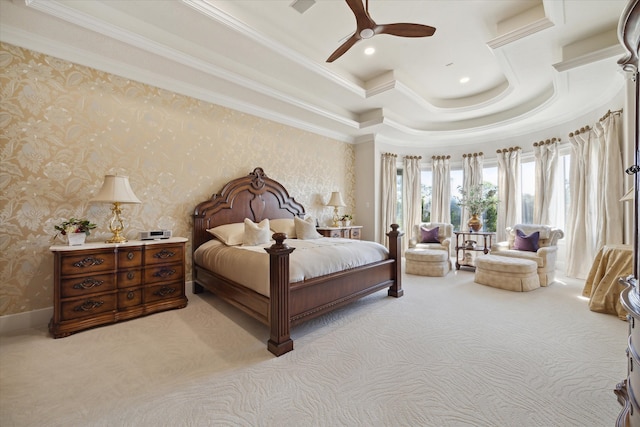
(531, 63)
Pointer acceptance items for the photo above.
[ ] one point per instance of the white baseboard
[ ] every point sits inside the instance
(29, 319)
(40, 318)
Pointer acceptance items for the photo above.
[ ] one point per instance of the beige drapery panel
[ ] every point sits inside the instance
(610, 223)
(412, 195)
(596, 182)
(546, 153)
(509, 194)
(581, 238)
(472, 164)
(389, 201)
(441, 189)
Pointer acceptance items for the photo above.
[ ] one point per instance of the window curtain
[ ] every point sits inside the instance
(412, 195)
(509, 194)
(596, 182)
(546, 153)
(581, 232)
(611, 182)
(471, 176)
(389, 195)
(441, 189)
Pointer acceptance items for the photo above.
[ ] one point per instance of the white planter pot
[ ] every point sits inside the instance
(76, 239)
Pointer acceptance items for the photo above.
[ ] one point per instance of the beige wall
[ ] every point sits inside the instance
(64, 126)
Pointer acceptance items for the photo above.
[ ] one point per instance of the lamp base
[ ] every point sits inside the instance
(117, 239)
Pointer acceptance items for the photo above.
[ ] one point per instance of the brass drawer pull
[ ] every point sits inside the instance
(164, 291)
(88, 305)
(130, 256)
(164, 254)
(131, 295)
(88, 262)
(164, 273)
(88, 283)
(131, 275)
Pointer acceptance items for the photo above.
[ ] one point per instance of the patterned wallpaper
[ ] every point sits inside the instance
(64, 126)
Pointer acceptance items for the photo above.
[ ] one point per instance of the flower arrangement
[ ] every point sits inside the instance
(478, 198)
(74, 225)
(346, 217)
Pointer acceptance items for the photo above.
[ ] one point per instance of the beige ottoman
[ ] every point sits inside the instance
(512, 274)
(427, 262)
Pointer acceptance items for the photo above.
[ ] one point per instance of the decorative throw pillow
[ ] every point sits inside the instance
(306, 229)
(523, 242)
(229, 234)
(256, 234)
(429, 236)
(283, 225)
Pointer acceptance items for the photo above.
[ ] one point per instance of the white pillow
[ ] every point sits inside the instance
(306, 228)
(256, 234)
(229, 234)
(283, 225)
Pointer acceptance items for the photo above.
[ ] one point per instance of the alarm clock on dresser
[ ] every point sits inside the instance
(155, 234)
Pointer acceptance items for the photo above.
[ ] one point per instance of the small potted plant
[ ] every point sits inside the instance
(75, 229)
(346, 220)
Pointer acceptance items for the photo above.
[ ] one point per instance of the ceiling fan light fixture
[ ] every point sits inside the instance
(367, 33)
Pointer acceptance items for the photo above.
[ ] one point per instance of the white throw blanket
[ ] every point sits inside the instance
(249, 265)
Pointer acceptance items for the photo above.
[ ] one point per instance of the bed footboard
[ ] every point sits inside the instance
(285, 303)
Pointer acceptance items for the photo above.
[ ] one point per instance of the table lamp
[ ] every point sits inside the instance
(336, 201)
(116, 190)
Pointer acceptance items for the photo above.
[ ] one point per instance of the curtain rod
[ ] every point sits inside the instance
(413, 157)
(608, 113)
(440, 157)
(473, 154)
(389, 154)
(505, 150)
(548, 141)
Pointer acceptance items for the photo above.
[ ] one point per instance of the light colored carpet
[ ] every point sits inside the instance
(448, 353)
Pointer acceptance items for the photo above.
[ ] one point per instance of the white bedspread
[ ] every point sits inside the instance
(249, 265)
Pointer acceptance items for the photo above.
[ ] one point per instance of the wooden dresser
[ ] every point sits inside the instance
(348, 232)
(628, 390)
(102, 283)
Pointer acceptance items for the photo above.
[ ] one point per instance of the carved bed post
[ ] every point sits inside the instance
(280, 321)
(395, 247)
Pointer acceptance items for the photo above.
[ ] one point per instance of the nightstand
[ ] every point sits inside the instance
(101, 283)
(349, 232)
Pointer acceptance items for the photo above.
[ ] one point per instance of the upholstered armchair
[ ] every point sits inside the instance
(544, 253)
(444, 236)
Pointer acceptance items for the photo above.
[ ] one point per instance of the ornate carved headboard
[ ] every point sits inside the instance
(254, 196)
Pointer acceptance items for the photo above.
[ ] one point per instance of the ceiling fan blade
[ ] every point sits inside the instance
(405, 30)
(363, 20)
(344, 47)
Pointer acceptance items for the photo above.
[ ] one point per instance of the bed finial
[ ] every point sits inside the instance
(257, 178)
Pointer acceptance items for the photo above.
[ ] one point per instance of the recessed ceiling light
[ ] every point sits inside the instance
(369, 51)
(464, 80)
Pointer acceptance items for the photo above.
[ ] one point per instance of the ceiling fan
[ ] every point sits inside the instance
(367, 28)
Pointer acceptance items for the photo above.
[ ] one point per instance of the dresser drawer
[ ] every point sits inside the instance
(162, 254)
(164, 291)
(90, 306)
(129, 278)
(130, 257)
(164, 273)
(355, 233)
(87, 263)
(85, 285)
(128, 298)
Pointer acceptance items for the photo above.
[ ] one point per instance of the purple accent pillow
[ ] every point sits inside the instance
(526, 243)
(429, 236)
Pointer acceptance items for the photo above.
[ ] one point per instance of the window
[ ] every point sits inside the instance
(399, 218)
(455, 177)
(528, 184)
(426, 185)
